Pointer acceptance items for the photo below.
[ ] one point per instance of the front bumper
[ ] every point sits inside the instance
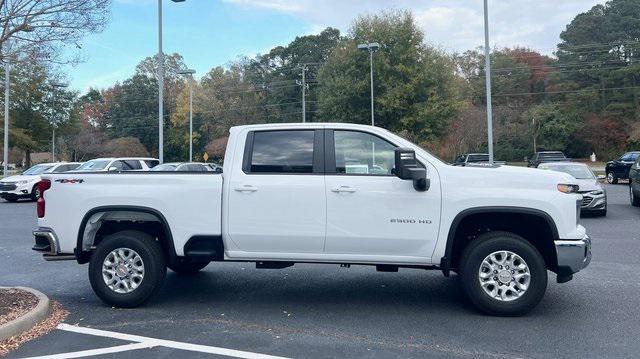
(47, 244)
(12, 190)
(573, 256)
(591, 203)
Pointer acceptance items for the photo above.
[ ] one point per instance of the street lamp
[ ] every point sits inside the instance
(53, 123)
(161, 84)
(371, 47)
(7, 71)
(5, 154)
(487, 70)
(189, 73)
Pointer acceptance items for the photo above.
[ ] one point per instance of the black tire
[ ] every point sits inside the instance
(187, 266)
(611, 178)
(35, 193)
(153, 260)
(635, 200)
(488, 243)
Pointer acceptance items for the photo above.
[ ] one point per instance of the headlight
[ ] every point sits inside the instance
(597, 192)
(568, 188)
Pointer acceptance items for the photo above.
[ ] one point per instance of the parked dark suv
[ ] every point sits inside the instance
(475, 159)
(634, 183)
(546, 156)
(619, 169)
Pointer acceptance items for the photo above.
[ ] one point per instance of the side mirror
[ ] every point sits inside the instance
(113, 169)
(406, 168)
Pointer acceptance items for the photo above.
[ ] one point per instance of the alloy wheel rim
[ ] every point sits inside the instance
(123, 270)
(37, 193)
(504, 276)
(610, 177)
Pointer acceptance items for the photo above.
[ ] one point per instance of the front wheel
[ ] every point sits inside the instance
(611, 178)
(127, 268)
(503, 274)
(35, 193)
(635, 200)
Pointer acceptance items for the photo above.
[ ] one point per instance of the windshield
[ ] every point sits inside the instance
(94, 165)
(36, 170)
(549, 155)
(576, 170)
(165, 167)
(478, 158)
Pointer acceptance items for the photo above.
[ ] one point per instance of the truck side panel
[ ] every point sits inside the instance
(190, 203)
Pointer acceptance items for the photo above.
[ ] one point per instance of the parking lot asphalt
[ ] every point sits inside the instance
(324, 311)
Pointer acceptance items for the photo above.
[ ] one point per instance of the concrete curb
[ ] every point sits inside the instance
(30, 319)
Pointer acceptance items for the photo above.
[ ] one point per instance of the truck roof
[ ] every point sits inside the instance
(305, 125)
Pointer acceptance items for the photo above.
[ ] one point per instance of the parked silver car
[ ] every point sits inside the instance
(594, 196)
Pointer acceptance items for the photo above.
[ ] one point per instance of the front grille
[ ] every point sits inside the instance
(586, 200)
(7, 186)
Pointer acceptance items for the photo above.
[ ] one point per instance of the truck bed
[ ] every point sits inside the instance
(191, 203)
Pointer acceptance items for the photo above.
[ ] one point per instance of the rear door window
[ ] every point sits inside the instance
(131, 165)
(282, 152)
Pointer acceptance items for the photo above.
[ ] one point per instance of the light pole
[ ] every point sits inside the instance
(190, 73)
(371, 47)
(5, 157)
(161, 84)
(304, 86)
(487, 70)
(53, 123)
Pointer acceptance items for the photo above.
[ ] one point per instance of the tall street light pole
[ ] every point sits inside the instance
(371, 47)
(487, 67)
(5, 157)
(53, 124)
(304, 86)
(190, 73)
(161, 84)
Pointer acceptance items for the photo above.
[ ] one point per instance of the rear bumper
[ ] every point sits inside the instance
(47, 243)
(572, 255)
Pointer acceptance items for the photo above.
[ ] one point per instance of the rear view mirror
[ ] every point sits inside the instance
(406, 167)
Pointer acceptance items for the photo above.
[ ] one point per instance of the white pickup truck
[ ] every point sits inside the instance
(320, 193)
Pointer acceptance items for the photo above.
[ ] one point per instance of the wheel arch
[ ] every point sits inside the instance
(135, 217)
(457, 228)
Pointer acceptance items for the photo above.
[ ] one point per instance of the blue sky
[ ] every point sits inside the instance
(210, 33)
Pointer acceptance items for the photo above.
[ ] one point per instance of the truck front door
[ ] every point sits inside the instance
(370, 211)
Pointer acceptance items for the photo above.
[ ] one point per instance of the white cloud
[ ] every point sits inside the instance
(456, 25)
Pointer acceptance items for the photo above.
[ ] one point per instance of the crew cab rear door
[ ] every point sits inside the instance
(276, 197)
(370, 211)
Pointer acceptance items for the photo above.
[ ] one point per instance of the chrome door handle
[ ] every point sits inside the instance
(340, 189)
(246, 188)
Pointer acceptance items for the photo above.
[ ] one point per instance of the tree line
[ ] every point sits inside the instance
(583, 99)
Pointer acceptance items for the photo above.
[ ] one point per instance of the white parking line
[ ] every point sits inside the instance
(147, 342)
(92, 352)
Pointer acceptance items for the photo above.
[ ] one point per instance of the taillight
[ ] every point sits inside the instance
(43, 185)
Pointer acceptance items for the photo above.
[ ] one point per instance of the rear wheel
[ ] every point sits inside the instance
(611, 178)
(503, 274)
(187, 266)
(635, 200)
(127, 268)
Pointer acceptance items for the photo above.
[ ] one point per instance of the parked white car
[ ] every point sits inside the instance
(121, 164)
(187, 167)
(288, 195)
(24, 185)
